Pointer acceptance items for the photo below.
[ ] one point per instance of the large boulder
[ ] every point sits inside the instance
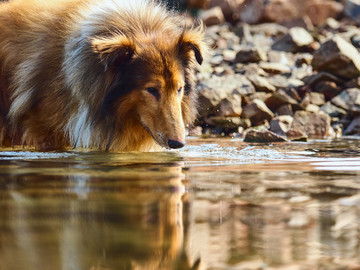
(338, 57)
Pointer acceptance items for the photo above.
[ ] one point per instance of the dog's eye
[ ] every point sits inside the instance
(179, 90)
(154, 92)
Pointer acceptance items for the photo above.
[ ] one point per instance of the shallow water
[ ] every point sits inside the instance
(216, 204)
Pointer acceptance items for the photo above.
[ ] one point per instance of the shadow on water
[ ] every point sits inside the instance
(217, 204)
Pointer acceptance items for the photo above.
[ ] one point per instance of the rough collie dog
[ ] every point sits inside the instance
(106, 74)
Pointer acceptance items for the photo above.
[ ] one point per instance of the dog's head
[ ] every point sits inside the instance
(152, 80)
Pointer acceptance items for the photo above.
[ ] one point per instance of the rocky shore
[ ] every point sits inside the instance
(279, 80)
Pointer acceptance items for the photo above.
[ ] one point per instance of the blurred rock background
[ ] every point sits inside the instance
(282, 69)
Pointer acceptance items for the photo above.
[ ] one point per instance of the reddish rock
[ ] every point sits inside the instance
(278, 99)
(254, 136)
(257, 112)
(312, 124)
(319, 10)
(280, 11)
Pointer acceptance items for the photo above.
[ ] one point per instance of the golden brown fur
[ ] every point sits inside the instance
(107, 74)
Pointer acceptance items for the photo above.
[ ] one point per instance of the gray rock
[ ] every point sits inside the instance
(354, 127)
(332, 110)
(257, 112)
(348, 100)
(352, 9)
(254, 136)
(338, 57)
(312, 124)
(294, 41)
(261, 84)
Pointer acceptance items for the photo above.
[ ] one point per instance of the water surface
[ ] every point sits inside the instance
(216, 204)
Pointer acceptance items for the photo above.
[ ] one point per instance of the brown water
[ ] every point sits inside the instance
(217, 204)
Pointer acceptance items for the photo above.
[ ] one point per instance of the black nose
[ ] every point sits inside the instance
(175, 144)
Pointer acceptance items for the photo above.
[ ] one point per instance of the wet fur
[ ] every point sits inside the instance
(74, 74)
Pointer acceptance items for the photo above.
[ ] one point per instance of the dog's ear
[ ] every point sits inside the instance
(191, 44)
(115, 50)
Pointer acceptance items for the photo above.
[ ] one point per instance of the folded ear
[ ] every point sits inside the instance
(114, 50)
(191, 43)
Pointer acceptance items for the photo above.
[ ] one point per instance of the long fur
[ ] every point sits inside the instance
(72, 73)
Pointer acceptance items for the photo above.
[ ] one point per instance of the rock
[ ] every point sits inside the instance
(281, 124)
(254, 136)
(338, 57)
(285, 110)
(348, 100)
(296, 135)
(313, 98)
(257, 112)
(319, 11)
(213, 16)
(294, 41)
(352, 9)
(354, 127)
(258, 95)
(328, 89)
(303, 22)
(261, 84)
(332, 110)
(278, 99)
(312, 124)
(230, 106)
(280, 81)
(196, 131)
(312, 108)
(228, 122)
(230, 8)
(314, 79)
(275, 68)
(229, 55)
(284, 58)
(217, 88)
(250, 55)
